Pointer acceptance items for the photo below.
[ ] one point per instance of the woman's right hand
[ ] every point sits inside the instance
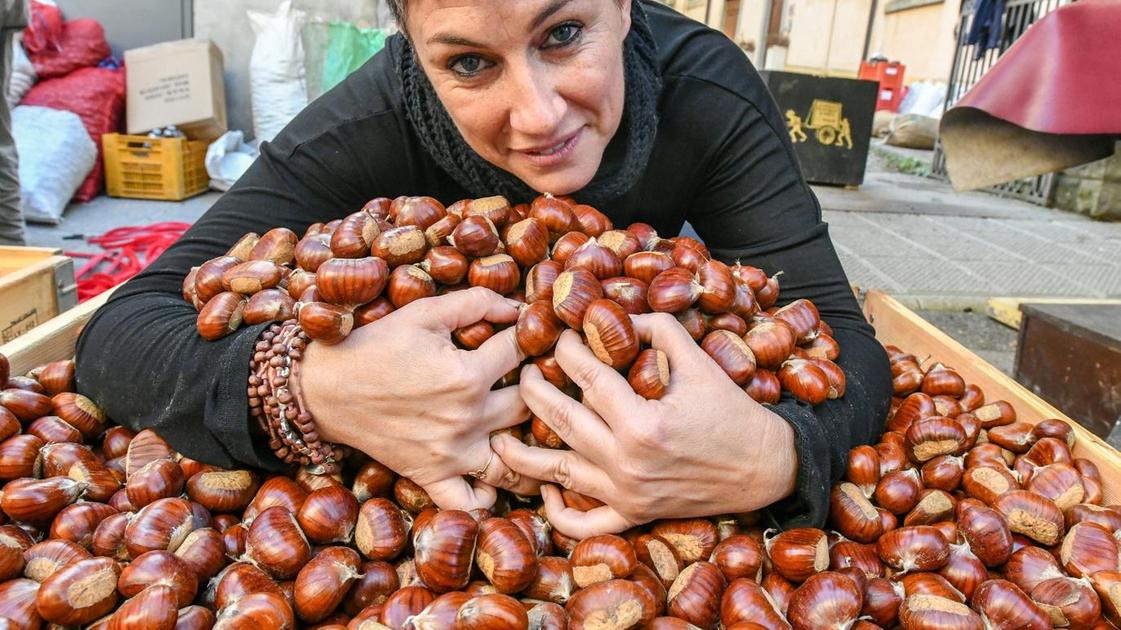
(400, 391)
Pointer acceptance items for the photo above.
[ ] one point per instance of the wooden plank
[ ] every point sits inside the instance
(28, 297)
(1006, 310)
(12, 258)
(54, 340)
(897, 325)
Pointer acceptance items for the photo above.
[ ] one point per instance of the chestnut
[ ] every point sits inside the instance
(160, 568)
(573, 292)
(398, 246)
(43, 559)
(39, 500)
(79, 593)
(696, 594)
(444, 544)
(1006, 606)
(610, 333)
(914, 548)
(825, 600)
(475, 237)
(556, 214)
(323, 582)
(1069, 603)
(256, 610)
(805, 380)
(504, 555)
(277, 544)
(407, 284)
(673, 291)
(278, 246)
(539, 281)
(1032, 515)
(616, 604)
(221, 316)
(326, 323)
(538, 328)
(405, 603)
(600, 261)
(527, 242)
(499, 273)
(730, 352)
(853, 514)
(602, 558)
(382, 529)
(764, 387)
(693, 538)
(329, 515)
(770, 342)
(746, 601)
(799, 553)
(349, 282)
(932, 611)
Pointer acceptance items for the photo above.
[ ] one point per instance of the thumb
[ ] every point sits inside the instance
(462, 308)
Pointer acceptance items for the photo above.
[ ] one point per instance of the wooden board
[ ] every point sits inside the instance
(36, 283)
(897, 325)
(1006, 310)
(53, 341)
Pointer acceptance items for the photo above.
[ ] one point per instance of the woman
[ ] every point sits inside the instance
(630, 107)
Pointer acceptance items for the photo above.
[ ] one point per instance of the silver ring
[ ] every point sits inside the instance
(482, 472)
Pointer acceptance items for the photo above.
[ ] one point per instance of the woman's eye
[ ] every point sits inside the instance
(467, 65)
(563, 35)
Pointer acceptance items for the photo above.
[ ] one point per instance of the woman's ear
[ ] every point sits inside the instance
(625, 8)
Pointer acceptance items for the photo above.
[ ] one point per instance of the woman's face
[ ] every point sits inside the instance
(534, 86)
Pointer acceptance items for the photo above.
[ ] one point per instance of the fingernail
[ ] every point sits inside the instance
(498, 443)
(514, 304)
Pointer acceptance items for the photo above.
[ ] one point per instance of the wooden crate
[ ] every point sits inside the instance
(894, 324)
(897, 325)
(36, 283)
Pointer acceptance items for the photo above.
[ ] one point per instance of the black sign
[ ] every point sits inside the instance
(829, 121)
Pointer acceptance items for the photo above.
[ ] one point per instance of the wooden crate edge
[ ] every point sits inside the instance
(52, 340)
(896, 324)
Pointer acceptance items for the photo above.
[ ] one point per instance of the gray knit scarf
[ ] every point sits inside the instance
(443, 142)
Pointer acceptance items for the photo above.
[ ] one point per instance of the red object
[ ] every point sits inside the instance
(44, 30)
(1061, 76)
(890, 77)
(97, 96)
(82, 45)
(128, 250)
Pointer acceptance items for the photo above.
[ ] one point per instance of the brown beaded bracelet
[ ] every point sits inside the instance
(280, 413)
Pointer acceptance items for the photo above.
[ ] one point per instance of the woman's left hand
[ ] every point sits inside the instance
(704, 448)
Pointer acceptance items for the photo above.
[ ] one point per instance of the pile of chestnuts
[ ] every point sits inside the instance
(961, 517)
(564, 261)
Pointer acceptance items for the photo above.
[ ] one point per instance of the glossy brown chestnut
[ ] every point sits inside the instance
(504, 555)
(614, 605)
(277, 544)
(610, 333)
(796, 554)
(1032, 515)
(443, 546)
(673, 291)
(853, 515)
(694, 539)
(915, 548)
(79, 593)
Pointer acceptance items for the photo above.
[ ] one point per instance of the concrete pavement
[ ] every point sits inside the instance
(935, 249)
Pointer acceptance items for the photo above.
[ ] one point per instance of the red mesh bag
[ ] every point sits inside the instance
(82, 45)
(44, 30)
(97, 96)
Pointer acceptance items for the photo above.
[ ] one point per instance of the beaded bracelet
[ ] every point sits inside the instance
(280, 413)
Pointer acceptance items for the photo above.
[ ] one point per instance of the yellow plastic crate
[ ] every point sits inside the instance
(139, 167)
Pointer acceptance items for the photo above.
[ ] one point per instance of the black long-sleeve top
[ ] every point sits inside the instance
(722, 160)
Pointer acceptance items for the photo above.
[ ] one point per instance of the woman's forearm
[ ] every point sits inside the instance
(141, 359)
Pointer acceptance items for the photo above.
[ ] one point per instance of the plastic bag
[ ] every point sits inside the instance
(23, 74)
(83, 45)
(227, 159)
(97, 96)
(348, 47)
(55, 153)
(44, 31)
(276, 70)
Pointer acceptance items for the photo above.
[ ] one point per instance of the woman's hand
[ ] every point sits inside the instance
(403, 393)
(704, 448)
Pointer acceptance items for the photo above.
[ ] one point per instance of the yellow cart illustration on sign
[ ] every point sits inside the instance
(827, 121)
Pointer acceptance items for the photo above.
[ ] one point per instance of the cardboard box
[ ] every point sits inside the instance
(176, 83)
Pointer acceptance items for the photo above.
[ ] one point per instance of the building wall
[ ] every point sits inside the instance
(921, 37)
(827, 36)
(225, 22)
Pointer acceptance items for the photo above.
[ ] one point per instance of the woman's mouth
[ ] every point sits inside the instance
(555, 154)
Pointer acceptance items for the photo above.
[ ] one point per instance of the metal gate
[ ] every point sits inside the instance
(968, 68)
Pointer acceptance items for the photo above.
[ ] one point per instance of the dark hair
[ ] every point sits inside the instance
(397, 8)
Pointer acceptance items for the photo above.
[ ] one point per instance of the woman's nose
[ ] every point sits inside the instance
(536, 107)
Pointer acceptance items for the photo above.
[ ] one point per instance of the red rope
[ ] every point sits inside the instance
(128, 250)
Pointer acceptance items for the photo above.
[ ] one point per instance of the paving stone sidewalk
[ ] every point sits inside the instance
(935, 249)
